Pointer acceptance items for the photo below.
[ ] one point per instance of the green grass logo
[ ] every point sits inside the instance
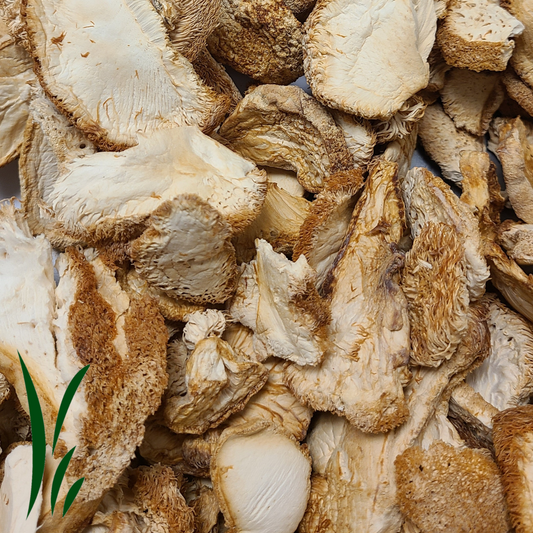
(39, 441)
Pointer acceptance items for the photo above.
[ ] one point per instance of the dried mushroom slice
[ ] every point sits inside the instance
(186, 251)
(505, 378)
(465, 398)
(444, 142)
(513, 440)
(287, 128)
(261, 479)
(516, 156)
(477, 35)
(362, 373)
(261, 39)
(435, 285)
(206, 511)
(208, 385)
(428, 199)
(322, 232)
(161, 445)
(519, 91)
(517, 240)
(278, 300)
(285, 179)
(386, 43)
(299, 6)
(471, 98)
(445, 489)
(401, 152)
(153, 86)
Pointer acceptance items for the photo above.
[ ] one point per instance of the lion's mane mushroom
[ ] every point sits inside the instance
(517, 240)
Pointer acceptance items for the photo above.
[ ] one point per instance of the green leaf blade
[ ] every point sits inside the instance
(59, 476)
(71, 495)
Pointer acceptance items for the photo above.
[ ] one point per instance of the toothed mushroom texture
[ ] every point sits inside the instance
(285, 127)
(517, 239)
(86, 319)
(153, 86)
(261, 478)
(375, 43)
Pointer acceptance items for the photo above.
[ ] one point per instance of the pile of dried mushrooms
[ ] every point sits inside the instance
(288, 328)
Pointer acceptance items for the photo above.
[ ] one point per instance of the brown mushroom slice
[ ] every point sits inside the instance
(161, 445)
(206, 511)
(387, 43)
(401, 151)
(186, 251)
(517, 241)
(208, 385)
(261, 479)
(362, 373)
(278, 223)
(299, 6)
(445, 489)
(444, 142)
(513, 440)
(519, 91)
(505, 379)
(322, 232)
(435, 285)
(471, 98)
(278, 300)
(154, 87)
(356, 483)
(359, 136)
(261, 39)
(477, 35)
(428, 199)
(287, 128)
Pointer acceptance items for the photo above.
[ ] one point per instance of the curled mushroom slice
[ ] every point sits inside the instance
(261, 478)
(363, 370)
(444, 142)
(445, 489)
(261, 39)
(513, 440)
(519, 91)
(400, 151)
(154, 87)
(278, 300)
(332, 58)
(477, 35)
(471, 98)
(287, 128)
(517, 240)
(466, 401)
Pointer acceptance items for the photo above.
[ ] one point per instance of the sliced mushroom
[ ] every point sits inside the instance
(401, 152)
(517, 240)
(465, 397)
(386, 43)
(519, 91)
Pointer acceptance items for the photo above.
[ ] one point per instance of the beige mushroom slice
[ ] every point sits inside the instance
(519, 91)
(299, 6)
(355, 479)
(241, 339)
(11, 16)
(435, 284)
(203, 324)
(206, 511)
(285, 127)
(186, 251)
(145, 500)
(15, 424)
(388, 42)
(521, 59)
(261, 39)
(517, 241)
(359, 136)
(445, 489)
(444, 142)
(437, 70)
(278, 300)
(363, 371)
(513, 440)
(208, 385)
(505, 379)
(160, 444)
(322, 232)
(401, 152)
(477, 35)
(15, 492)
(285, 179)
(74, 66)
(261, 477)
(471, 98)
(428, 199)
(278, 223)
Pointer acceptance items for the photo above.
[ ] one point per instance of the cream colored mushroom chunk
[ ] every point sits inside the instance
(153, 86)
(261, 479)
(522, 59)
(517, 240)
(357, 53)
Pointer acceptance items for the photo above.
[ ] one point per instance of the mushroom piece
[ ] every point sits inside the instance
(261, 479)
(261, 39)
(154, 86)
(477, 35)
(471, 98)
(299, 6)
(389, 40)
(517, 240)
(278, 300)
(363, 370)
(287, 128)
(161, 445)
(445, 489)
(519, 91)
(285, 179)
(513, 440)
(466, 398)
(444, 142)
(401, 151)
(428, 199)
